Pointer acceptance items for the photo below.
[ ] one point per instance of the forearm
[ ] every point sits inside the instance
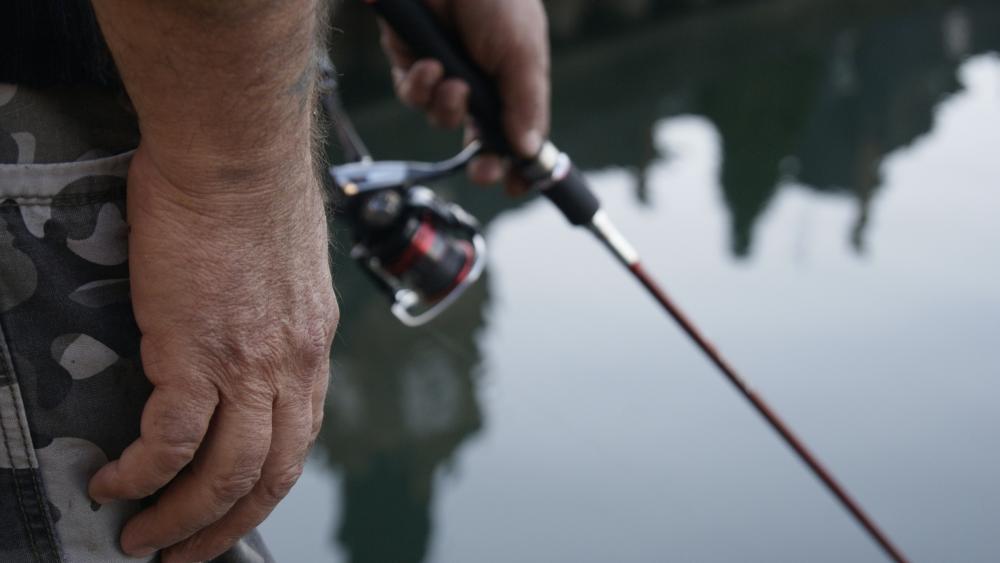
(223, 89)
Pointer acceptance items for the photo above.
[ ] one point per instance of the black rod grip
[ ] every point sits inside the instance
(419, 29)
(572, 196)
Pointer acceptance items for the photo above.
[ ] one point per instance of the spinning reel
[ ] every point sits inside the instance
(423, 252)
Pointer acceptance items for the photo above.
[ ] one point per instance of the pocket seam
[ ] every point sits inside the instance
(39, 552)
(38, 183)
(103, 195)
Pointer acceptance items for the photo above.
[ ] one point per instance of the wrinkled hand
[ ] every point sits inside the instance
(509, 41)
(232, 292)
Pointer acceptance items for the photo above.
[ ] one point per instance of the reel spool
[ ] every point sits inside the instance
(422, 251)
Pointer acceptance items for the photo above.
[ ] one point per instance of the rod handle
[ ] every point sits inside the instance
(419, 29)
(550, 170)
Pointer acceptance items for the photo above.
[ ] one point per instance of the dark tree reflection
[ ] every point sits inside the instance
(401, 404)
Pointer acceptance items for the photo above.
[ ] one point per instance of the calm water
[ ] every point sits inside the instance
(820, 187)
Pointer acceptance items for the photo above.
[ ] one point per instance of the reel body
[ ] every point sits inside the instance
(422, 251)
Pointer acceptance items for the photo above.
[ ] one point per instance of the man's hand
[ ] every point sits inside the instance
(509, 41)
(228, 257)
(234, 300)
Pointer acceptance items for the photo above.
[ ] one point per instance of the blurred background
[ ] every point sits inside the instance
(818, 182)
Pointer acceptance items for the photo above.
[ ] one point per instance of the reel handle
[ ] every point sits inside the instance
(550, 170)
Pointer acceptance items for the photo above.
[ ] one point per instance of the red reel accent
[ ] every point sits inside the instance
(420, 246)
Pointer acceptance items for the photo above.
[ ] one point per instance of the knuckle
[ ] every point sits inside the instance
(201, 546)
(178, 437)
(313, 341)
(234, 486)
(299, 345)
(171, 457)
(239, 351)
(332, 307)
(182, 435)
(184, 551)
(317, 427)
(236, 481)
(309, 338)
(314, 431)
(276, 487)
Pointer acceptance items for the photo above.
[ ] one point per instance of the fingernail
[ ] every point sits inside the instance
(530, 143)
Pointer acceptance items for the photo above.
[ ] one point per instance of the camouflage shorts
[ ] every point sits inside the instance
(71, 384)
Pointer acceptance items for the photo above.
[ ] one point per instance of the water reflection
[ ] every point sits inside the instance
(814, 93)
(404, 401)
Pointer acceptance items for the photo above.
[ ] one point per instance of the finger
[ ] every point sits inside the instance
(282, 468)
(515, 185)
(399, 53)
(173, 425)
(416, 86)
(471, 132)
(524, 89)
(486, 169)
(226, 469)
(449, 103)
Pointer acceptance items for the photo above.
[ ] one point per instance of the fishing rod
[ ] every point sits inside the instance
(552, 172)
